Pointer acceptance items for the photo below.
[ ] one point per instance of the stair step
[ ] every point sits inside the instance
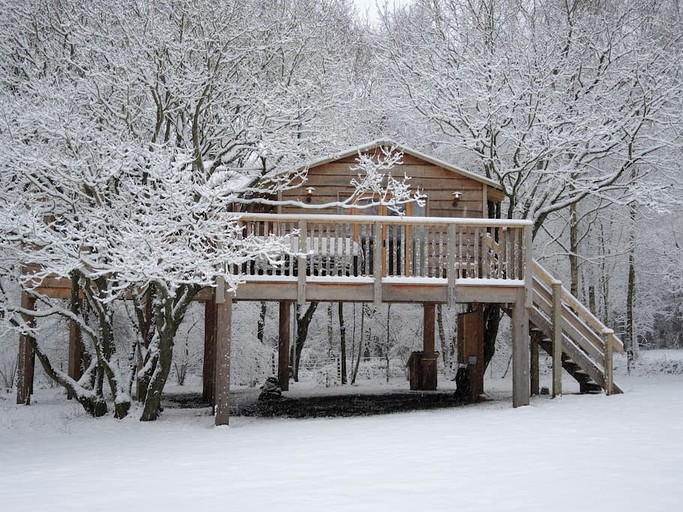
(590, 387)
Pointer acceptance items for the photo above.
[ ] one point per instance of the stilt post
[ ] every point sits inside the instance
(209, 367)
(284, 337)
(520, 351)
(223, 335)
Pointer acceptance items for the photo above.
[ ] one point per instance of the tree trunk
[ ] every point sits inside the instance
(342, 342)
(442, 336)
(631, 336)
(261, 325)
(92, 402)
(302, 324)
(330, 329)
(574, 250)
(492, 322)
(604, 278)
(360, 344)
(168, 315)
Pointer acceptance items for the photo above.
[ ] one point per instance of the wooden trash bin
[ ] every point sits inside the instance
(414, 365)
(422, 370)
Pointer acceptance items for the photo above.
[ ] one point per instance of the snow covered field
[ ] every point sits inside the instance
(621, 453)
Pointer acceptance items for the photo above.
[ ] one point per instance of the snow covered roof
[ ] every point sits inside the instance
(406, 150)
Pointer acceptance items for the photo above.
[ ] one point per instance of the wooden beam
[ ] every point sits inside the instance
(284, 338)
(209, 367)
(223, 335)
(319, 291)
(520, 351)
(26, 359)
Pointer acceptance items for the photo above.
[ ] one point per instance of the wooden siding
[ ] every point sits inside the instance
(332, 183)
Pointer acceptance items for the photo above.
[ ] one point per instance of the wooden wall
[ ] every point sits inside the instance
(331, 183)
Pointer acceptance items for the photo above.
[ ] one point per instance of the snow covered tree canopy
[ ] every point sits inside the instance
(131, 132)
(556, 101)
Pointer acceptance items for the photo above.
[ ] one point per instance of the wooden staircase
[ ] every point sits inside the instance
(571, 334)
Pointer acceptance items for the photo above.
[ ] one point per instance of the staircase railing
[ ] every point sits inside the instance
(575, 329)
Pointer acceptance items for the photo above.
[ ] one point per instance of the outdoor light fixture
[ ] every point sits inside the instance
(456, 198)
(309, 194)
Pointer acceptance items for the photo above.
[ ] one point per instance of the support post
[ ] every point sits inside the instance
(223, 335)
(520, 351)
(26, 359)
(209, 367)
(607, 335)
(284, 338)
(471, 328)
(557, 337)
(429, 373)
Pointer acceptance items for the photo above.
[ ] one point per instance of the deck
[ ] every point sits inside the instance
(359, 258)
(392, 259)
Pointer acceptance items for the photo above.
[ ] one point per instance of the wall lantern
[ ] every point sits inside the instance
(456, 198)
(309, 194)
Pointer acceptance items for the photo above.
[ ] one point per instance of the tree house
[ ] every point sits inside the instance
(453, 249)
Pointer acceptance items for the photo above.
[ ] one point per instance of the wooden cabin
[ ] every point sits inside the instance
(450, 192)
(453, 249)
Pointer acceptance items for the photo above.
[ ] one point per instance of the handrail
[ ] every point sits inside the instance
(398, 219)
(373, 246)
(581, 311)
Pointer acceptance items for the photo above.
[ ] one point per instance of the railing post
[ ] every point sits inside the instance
(609, 366)
(557, 337)
(377, 263)
(302, 264)
(450, 274)
(528, 267)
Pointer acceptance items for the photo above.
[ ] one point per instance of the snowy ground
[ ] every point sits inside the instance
(621, 453)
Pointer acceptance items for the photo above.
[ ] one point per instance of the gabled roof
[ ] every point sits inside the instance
(406, 150)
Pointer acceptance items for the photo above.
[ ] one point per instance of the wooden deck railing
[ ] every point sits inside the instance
(346, 247)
